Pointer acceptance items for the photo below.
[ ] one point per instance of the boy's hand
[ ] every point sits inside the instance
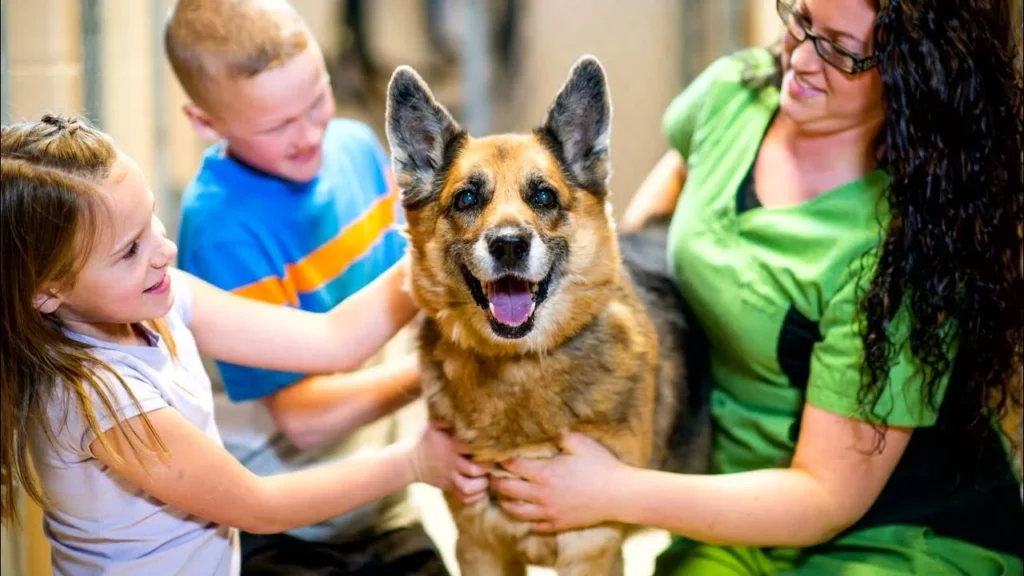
(437, 460)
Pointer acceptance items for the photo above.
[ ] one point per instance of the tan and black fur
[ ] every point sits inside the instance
(602, 350)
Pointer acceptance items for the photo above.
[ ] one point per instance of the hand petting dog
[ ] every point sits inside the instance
(563, 492)
(439, 460)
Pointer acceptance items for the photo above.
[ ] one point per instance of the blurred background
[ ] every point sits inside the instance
(496, 64)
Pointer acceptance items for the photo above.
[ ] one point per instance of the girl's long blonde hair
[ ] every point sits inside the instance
(51, 209)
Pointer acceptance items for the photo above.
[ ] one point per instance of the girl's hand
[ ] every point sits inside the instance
(571, 490)
(437, 459)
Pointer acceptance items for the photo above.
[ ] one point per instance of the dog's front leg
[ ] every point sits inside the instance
(595, 551)
(610, 563)
(476, 558)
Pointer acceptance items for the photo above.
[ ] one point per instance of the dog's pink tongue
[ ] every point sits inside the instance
(510, 300)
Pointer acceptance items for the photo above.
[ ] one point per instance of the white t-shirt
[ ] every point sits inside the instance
(98, 523)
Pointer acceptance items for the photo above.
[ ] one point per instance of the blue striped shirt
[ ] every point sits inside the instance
(307, 245)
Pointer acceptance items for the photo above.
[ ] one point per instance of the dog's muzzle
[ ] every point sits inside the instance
(514, 279)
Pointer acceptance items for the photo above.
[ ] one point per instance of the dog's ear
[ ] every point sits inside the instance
(422, 135)
(578, 125)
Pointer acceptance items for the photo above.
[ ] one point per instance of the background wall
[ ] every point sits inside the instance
(104, 58)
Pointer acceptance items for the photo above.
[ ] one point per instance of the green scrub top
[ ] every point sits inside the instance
(774, 289)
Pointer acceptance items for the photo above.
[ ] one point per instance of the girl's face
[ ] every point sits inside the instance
(124, 280)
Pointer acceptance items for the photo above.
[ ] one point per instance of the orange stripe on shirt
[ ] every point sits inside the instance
(328, 261)
(270, 289)
(334, 257)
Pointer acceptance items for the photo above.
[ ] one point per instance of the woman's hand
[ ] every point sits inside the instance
(438, 460)
(834, 478)
(571, 490)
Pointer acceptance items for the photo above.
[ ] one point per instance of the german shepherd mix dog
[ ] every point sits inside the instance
(534, 325)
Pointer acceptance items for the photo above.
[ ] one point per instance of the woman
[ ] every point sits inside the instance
(847, 229)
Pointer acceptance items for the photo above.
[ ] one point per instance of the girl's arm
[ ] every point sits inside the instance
(201, 478)
(658, 193)
(244, 331)
(834, 478)
(321, 409)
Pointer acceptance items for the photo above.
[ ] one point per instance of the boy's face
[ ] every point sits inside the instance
(275, 121)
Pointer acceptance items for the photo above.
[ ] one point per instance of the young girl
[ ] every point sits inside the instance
(103, 386)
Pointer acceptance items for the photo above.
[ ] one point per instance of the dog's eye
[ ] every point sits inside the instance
(466, 199)
(543, 197)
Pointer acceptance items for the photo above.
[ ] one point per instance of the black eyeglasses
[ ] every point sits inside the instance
(836, 56)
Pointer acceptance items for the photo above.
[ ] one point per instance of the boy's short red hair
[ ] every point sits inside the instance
(208, 41)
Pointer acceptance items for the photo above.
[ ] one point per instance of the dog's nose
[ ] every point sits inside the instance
(509, 249)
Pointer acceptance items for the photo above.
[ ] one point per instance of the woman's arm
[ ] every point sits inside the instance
(833, 480)
(658, 193)
(243, 331)
(321, 409)
(201, 478)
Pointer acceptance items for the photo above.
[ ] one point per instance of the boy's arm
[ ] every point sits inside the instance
(319, 409)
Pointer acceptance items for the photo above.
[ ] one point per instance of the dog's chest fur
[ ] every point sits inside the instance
(599, 381)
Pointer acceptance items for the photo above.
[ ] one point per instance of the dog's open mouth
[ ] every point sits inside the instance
(509, 300)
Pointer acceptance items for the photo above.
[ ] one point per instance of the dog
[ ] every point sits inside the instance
(537, 317)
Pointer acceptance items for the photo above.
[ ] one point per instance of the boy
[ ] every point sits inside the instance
(296, 208)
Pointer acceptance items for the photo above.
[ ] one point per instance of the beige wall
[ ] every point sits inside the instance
(638, 44)
(765, 26)
(138, 84)
(44, 56)
(46, 73)
(128, 78)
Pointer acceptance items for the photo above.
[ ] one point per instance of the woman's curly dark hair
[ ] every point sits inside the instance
(951, 257)
(952, 253)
